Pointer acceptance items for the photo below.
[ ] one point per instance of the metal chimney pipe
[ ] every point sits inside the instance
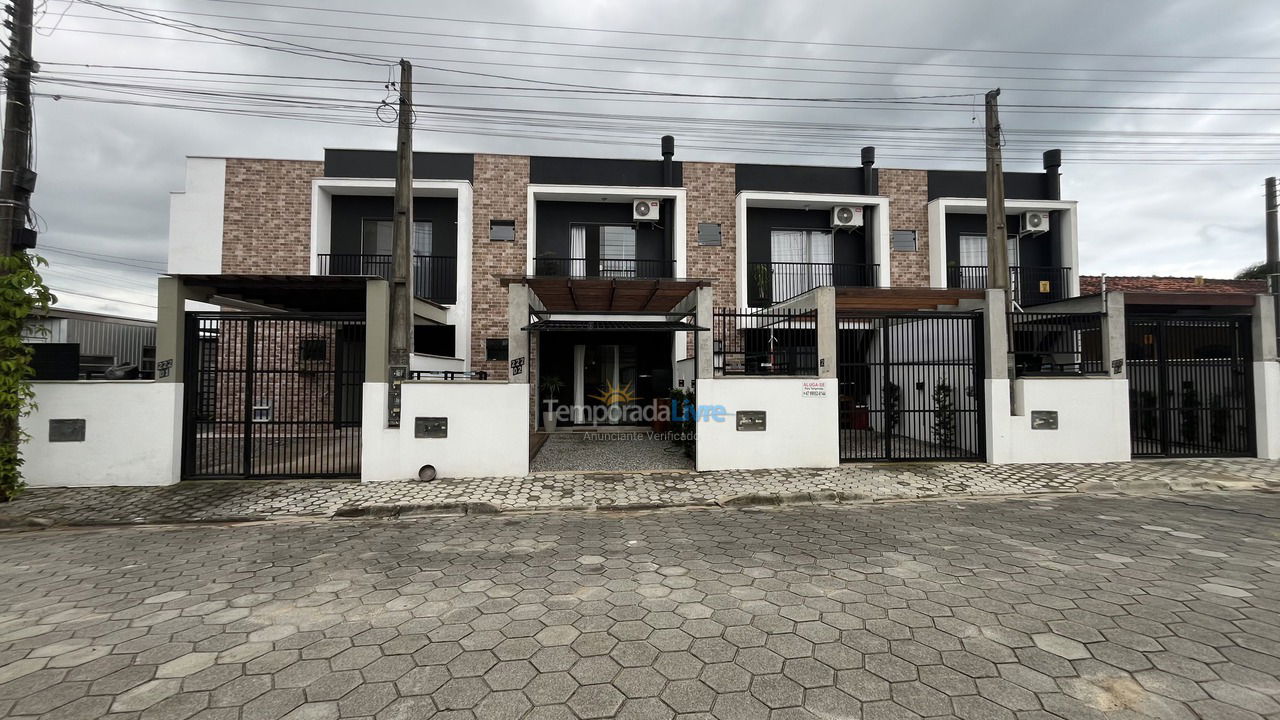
(1052, 176)
(869, 184)
(668, 150)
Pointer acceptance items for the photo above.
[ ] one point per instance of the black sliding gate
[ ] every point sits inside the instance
(911, 386)
(273, 396)
(1190, 386)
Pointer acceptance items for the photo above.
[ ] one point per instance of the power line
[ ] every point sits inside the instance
(729, 38)
(649, 52)
(704, 76)
(100, 297)
(114, 259)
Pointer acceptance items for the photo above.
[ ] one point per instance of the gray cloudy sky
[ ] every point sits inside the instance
(1161, 191)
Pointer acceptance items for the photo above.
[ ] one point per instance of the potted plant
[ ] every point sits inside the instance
(551, 387)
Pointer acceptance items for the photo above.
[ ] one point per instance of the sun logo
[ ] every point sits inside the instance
(612, 394)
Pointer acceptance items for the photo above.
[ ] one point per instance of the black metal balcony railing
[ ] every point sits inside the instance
(1029, 285)
(603, 267)
(435, 277)
(775, 282)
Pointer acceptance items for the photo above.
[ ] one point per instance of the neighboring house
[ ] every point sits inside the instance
(72, 344)
(1090, 284)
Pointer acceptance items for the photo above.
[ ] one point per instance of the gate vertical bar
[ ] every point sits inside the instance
(886, 324)
(249, 363)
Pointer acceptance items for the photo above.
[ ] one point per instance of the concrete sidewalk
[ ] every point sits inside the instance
(256, 500)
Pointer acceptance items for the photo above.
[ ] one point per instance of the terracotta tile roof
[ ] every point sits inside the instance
(1090, 284)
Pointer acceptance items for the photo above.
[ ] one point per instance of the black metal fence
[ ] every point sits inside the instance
(775, 282)
(273, 396)
(448, 375)
(1190, 386)
(435, 277)
(1056, 343)
(910, 386)
(1029, 285)
(603, 267)
(765, 342)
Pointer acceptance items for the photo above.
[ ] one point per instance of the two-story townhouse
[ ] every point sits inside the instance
(759, 235)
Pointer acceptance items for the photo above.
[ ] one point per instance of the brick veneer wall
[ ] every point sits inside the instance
(711, 192)
(267, 216)
(501, 193)
(908, 192)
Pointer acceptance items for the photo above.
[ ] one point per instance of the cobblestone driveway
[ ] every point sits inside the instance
(1074, 607)
(206, 501)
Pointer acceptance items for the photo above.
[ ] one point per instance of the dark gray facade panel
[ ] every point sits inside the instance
(555, 218)
(595, 171)
(382, 164)
(973, 184)
(801, 179)
(350, 211)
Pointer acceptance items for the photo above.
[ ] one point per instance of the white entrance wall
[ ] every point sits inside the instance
(322, 192)
(800, 431)
(133, 434)
(1266, 398)
(938, 209)
(1093, 420)
(879, 224)
(488, 432)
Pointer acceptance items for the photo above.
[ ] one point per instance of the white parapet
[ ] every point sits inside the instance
(801, 423)
(1266, 398)
(1092, 420)
(487, 431)
(132, 434)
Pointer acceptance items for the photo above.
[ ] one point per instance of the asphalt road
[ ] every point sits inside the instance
(1074, 607)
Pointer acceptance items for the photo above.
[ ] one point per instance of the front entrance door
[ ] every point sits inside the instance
(1190, 386)
(605, 382)
(911, 386)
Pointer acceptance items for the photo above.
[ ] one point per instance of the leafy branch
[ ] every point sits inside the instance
(22, 294)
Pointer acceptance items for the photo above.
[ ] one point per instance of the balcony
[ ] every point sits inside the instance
(435, 277)
(1029, 285)
(604, 267)
(775, 282)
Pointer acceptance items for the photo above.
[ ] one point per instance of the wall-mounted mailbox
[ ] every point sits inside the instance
(750, 420)
(1044, 419)
(431, 427)
(70, 430)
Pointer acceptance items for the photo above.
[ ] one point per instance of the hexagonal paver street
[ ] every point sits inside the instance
(1071, 607)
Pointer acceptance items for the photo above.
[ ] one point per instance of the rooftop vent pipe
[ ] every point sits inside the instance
(869, 184)
(1052, 176)
(668, 150)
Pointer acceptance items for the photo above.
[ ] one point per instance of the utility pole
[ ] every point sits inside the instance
(1273, 228)
(16, 179)
(997, 230)
(401, 249)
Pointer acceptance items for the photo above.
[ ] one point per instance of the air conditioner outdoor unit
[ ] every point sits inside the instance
(1035, 222)
(846, 216)
(645, 209)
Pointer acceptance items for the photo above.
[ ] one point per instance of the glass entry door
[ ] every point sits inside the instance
(605, 379)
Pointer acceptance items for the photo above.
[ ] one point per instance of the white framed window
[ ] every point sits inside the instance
(800, 261)
(262, 413)
(377, 236)
(973, 259)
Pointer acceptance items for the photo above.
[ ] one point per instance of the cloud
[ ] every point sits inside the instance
(106, 171)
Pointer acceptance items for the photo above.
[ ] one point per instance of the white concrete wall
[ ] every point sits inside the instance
(1093, 420)
(133, 434)
(1266, 398)
(488, 431)
(800, 431)
(195, 218)
(685, 372)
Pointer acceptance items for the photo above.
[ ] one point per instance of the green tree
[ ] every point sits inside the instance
(944, 414)
(1256, 271)
(22, 293)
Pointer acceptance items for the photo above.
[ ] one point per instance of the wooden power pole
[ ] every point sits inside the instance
(997, 230)
(16, 179)
(401, 331)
